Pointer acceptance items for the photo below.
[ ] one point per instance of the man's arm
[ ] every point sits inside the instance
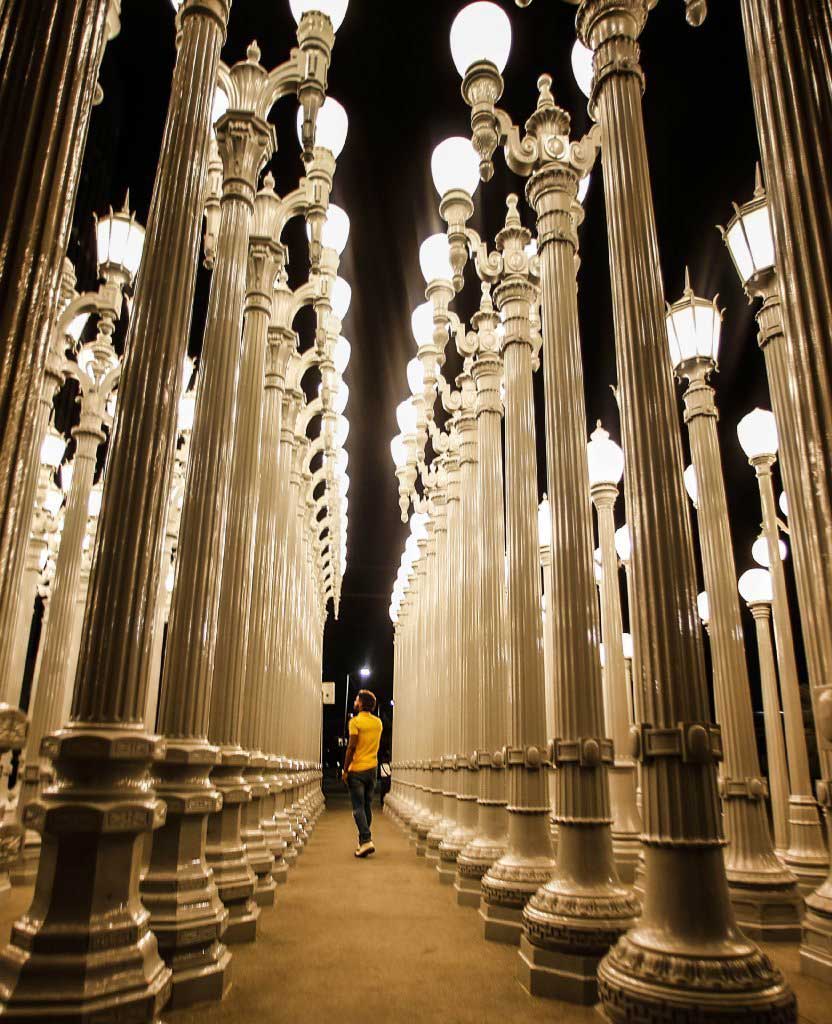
(349, 755)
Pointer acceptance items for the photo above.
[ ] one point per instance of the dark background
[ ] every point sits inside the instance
(393, 73)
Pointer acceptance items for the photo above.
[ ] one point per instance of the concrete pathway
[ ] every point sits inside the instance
(381, 942)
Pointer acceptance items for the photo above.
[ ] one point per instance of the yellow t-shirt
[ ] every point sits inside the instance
(368, 730)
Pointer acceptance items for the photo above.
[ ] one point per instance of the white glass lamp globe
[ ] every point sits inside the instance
(219, 106)
(755, 586)
(76, 326)
(583, 188)
(421, 323)
(750, 240)
(544, 523)
(331, 126)
(627, 644)
(759, 551)
(335, 10)
(481, 31)
(336, 229)
(602, 655)
(94, 502)
(67, 472)
(342, 431)
(582, 67)
(416, 376)
(784, 503)
(604, 457)
(341, 296)
(398, 449)
(342, 461)
(52, 449)
(187, 406)
(623, 546)
(341, 397)
(757, 433)
(703, 607)
(412, 549)
(341, 355)
(691, 485)
(435, 258)
(693, 326)
(418, 526)
(406, 416)
(52, 503)
(119, 241)
(344, 485)
(455, 165)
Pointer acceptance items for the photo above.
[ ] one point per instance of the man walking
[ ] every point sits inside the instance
(360, 764)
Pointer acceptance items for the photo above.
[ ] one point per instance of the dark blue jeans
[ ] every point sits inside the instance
(361, 786)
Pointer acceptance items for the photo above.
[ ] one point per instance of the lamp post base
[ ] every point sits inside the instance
(806, 856)
(556, 975)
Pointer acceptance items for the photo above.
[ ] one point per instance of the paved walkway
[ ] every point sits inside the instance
(381, 942)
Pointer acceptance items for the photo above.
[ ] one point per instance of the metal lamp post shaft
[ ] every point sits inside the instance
(764, 895)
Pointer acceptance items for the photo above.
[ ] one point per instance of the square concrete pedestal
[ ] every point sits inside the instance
(446, 870)
(501, 924)
(556, 975)
(468, 891)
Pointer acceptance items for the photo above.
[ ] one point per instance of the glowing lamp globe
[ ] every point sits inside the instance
(119, 243)
(330, 126)
(783, 502)
(703, 607)
(344, 485)
(341, 297)
(336, 229)
(455, 165)
(94, 502)
(398, 449)
(749, 238)
(53, 501)
(341, 461)
(582, 67)
(583, 188)
(52, 449)
(481, 31)
(755, 586)
(76, 326)
(219, 107)
(627, 644)
(605, 458)
(187, 406)
(421, 324)
(757, 433)
(342, 431)
(418, 526)
(335, 10)
(544, 523)
(342, 395)
(623, 545)
(187, 372)
(341, 355)
(759, 551)
(435, 259)
(602, 655)
(416, 376)
(693, 329)
(412, 549)
(67, 473)
(406, 416)
(691, 485)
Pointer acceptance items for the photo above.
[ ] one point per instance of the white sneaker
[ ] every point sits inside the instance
(365, 849)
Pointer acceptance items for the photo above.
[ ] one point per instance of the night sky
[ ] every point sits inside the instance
(392, 71)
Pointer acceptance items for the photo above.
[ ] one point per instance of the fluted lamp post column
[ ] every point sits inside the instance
(764, 896)
(606, 467)
(651, 968)
(569, 923)
(750, 239)
(807, 856)
(103, 800)
(756, 590)
(490, 840)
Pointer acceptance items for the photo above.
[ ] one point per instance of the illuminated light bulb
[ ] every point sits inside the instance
(455, 165)
(335, 10)
(398, 449)
(435, 258)
(341, 296)
(755, 586)
(416, 376)
(336, 230)
(421, 324)
(406, 416)
(544, 523)
(480, 32)
(691, 485)
(341, 355)
(703, 607)
(757, 433)
(623, 545)
(604, 458)
(330, 126)
(627, 644)
(52, 449)
(582, 67)
(759, 551)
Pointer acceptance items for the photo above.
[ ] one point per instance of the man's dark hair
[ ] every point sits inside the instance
(367, 700)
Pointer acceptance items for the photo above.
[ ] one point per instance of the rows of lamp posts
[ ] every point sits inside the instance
(236, 541)
(534, 766)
